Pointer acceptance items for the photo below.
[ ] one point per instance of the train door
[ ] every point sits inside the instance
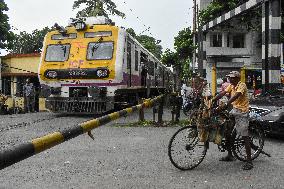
(129, 63)
(143, 60)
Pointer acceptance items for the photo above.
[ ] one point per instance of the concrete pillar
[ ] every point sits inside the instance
(271, 45)
(214, 79)
(0, 75)
(243, 74)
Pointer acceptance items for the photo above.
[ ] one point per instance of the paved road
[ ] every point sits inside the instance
(124, 157)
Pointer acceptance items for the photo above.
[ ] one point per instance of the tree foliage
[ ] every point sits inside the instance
(25, 43)
(5, 33)
(181, 58)
(184, 44)
(150, 43)
(97, 8)
(216, 8)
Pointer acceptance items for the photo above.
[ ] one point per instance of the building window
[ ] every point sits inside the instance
(6, 85)
(216, 40)
(239, 41)
(20, 84)
(228, 40)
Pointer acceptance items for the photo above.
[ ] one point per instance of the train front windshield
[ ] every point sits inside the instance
(57, 53)
(100, 51)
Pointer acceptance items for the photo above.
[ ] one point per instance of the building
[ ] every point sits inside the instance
(227, 44)
(15, 69)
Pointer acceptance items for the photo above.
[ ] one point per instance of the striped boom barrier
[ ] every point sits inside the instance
(23, 151)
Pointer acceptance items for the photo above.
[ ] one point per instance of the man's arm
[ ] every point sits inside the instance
(220, 95)
(233, 98)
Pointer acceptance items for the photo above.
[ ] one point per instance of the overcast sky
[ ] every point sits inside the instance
(165, 17)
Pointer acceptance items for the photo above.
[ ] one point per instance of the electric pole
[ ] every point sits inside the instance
(194, 35)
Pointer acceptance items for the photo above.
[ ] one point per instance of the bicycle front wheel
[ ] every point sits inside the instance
(256, 143)
(185, 150)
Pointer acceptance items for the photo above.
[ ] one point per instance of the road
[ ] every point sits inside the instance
(124, 157)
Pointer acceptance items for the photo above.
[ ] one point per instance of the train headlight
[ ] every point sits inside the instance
(102, 73)
(51, 74)
(80, 25)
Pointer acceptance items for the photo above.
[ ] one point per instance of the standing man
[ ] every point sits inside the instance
(239, 99)
(29, 96)
(3, 99)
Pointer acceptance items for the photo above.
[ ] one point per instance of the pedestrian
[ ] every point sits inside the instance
(3, 99)
(29, 96)
(239, 100)
(224, 85)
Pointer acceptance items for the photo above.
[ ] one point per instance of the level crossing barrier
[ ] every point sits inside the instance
(23, 151)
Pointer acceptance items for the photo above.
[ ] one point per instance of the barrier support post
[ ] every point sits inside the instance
(160, 111)
(178, 107)
(141, 111)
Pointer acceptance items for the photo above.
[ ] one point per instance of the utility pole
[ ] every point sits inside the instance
(0, 75)
(194, 35)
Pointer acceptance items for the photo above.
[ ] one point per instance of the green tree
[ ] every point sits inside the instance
(217, 8)
(5, 33)
(150, 43)
(181, 58)
(24, 42)
(184, 44)
(97, 8)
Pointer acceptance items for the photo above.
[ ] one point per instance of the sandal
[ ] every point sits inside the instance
(227, 158)
(247, 166)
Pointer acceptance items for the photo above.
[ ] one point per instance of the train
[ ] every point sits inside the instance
(93, 66)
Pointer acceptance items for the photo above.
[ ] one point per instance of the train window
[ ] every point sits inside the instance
(151, 67)
(98, 34)
(136, 60)
(65, 36)
(100, 51)
(57, 53)
(128, 55)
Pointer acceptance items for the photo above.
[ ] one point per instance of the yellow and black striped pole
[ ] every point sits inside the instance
(23, 151)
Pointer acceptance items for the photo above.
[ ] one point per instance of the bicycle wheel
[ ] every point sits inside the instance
(256, 143)
(185, 150)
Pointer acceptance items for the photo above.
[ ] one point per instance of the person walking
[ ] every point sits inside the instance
(239, 99)
(3, 99)
(29, 96)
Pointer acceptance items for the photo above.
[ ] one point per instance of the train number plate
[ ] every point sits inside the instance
(77, 73)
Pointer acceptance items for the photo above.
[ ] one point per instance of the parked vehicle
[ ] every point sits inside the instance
(273, 121)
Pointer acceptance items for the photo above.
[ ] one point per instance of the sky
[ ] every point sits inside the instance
(164, 17)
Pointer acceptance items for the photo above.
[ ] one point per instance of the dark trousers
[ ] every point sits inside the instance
(29, 103)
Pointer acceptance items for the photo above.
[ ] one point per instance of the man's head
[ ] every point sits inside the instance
(234, 77)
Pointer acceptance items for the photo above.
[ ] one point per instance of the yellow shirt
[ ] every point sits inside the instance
(241, 103)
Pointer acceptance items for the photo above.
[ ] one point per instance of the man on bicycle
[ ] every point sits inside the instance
(240, 102)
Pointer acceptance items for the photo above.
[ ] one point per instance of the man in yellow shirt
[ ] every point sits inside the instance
(240, 102)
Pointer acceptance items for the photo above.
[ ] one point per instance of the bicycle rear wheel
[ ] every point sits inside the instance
(256, 142)
(185, 150)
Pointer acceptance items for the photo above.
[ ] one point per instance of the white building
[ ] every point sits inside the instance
(231, 46)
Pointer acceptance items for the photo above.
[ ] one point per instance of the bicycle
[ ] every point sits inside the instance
(188, 146)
